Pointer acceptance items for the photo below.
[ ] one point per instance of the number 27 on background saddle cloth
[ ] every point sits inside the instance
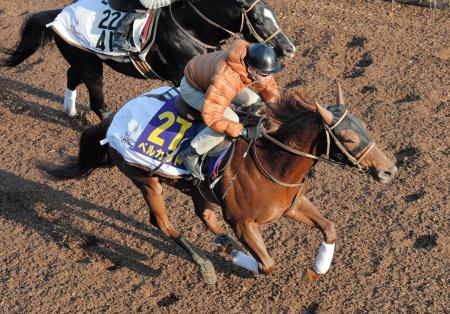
(146, 130)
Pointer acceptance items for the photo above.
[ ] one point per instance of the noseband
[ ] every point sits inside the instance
(352, 157)
(244, 17)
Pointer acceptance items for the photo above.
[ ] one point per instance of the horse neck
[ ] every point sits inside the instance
(304, 136)
(221, 12)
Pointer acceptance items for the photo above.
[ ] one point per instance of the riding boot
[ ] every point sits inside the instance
(121, 38)
(190, 158)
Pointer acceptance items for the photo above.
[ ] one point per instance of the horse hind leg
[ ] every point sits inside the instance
(306, 212)
(88, 68)
(94, 84)
(152, 192)
(70, 95)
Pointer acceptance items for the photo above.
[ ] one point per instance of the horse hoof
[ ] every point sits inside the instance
(71, 112)
(309, 276)
(208, 273)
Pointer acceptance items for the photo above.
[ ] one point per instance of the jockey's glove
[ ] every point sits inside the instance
(252, 132)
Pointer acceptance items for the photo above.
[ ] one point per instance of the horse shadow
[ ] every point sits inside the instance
(51, 213)
(11, 100)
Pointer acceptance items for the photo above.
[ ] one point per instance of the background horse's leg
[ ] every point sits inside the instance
(89, 68)
(70, 96)
(249, 234)
(307, 213)
(152, 191)
(94, 84)
(204, 210)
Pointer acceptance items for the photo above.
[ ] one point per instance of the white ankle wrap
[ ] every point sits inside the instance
(245, 261)
(70, 97)
(324, 258)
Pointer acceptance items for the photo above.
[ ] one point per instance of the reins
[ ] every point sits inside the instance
(328, 133)
(244, 17)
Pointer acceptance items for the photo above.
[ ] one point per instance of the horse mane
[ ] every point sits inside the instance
(289, 112)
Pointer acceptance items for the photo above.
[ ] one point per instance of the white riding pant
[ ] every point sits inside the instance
(207, 139)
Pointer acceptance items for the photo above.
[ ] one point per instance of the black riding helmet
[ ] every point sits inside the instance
(263, 58)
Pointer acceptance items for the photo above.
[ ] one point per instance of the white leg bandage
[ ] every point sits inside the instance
(70, 97)
(245, 261)
(324, 258)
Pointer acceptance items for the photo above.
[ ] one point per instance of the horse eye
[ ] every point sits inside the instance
(348, 140)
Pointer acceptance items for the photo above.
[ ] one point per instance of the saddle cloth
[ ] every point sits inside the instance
(146, 130)
(91, 24)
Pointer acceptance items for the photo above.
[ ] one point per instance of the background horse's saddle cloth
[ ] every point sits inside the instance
(91, 24)
(146, 130)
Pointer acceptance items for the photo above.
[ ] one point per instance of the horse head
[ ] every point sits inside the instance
(262, 26)
(352, 143)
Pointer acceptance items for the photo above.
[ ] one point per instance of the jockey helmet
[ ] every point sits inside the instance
(263, 58)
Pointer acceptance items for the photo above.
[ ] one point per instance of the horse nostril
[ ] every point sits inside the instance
(288, 52)
(387, 174)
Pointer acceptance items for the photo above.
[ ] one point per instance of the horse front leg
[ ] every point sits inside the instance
(249, 234)
(152, 191)
(204, 210)
(306, 212)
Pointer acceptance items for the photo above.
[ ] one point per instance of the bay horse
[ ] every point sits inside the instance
(184, 31)
(265, 180)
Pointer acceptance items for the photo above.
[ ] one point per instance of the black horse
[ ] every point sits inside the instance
(185, 30)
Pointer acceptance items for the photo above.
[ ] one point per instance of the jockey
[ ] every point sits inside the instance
(212, 81)
(134, 9)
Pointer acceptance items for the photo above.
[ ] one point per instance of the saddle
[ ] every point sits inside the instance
(190, 114)
(186, 111)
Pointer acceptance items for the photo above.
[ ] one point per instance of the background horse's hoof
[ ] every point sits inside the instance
(71, 112)
(309, 276)
(208, 273)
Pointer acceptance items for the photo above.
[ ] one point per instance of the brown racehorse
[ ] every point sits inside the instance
(258, 187)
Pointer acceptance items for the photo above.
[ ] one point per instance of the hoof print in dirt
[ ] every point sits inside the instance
(313, 308)
(408, 98)
(365, 61)
(407, 156)
(360, 66)
(357, 42)
(426, 242)
(356, 72)
(169, 300)
(368, 89)
(414, 196)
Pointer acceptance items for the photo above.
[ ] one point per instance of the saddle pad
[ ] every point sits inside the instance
(91, 24)
(146, 130)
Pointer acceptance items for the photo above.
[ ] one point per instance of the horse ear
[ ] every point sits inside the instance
(326, 115)
(339, 95)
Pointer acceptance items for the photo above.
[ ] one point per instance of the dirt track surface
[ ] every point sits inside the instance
(82, 246)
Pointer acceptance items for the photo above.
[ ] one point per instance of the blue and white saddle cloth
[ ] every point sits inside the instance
(90, 24)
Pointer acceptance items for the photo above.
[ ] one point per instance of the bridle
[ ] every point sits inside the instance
(244, 18)
(329, 133)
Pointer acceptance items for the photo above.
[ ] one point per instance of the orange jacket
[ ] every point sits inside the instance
(221, 75)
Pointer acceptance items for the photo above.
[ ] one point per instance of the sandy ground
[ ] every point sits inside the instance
(87, 246)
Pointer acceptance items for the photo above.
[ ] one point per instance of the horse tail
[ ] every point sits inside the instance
(34, 35)
(91, 153)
